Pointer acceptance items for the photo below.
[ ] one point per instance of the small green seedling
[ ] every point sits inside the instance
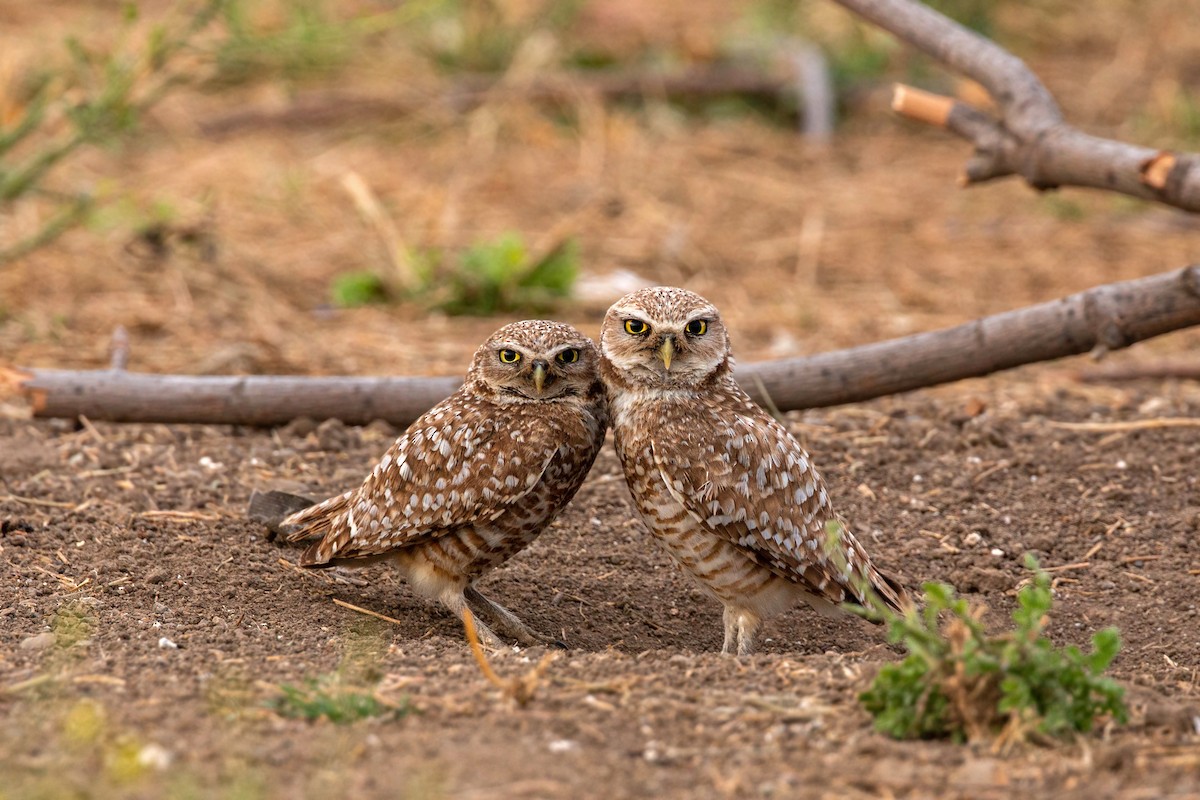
(961, 682)
(327, 697)
(490, 277)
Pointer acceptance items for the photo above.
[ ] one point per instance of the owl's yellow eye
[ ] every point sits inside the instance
(510, 356)
(568, 356)
(636, 327)
(697, 327)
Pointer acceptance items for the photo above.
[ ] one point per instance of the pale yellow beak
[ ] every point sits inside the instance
(667, 351)
(539, 377)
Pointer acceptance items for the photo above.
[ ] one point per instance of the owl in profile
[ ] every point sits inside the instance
(726, 489)
(476, 478)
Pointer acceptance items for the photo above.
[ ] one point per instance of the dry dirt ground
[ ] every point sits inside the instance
(146, 626)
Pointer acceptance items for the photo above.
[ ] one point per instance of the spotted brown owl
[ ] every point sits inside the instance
(729, 493)
(478, 477)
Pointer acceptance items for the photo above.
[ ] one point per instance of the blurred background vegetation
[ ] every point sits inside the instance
(89, 93)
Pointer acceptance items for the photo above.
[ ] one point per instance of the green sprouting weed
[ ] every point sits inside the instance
(353, 289)
(309, 43)
(490, 277)
(959, 681)
(101, 94)
(497, 276)
(326, 697)
(347, 694)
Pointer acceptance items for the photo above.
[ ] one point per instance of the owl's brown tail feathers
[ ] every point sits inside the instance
(891, 591)
(884, 588)
(315, 520)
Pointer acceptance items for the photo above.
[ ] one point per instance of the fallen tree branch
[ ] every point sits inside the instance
(1104, 318)
(339, 107)
(119, 396)
(1030, 139)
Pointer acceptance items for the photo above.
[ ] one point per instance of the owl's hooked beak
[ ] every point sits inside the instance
(666, 351)
(539, 375)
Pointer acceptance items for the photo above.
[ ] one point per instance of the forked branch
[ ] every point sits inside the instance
(1104, 318)
(1030, 138)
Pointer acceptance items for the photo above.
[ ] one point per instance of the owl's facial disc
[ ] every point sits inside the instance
(675, 349)
(530, 373)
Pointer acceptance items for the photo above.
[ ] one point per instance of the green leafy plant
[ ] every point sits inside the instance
(353, 289)
(960, 681)
(329, 698)
(501, 275)
(100, 95)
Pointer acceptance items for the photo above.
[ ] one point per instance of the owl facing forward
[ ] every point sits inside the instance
(477, 477)
(729, 493)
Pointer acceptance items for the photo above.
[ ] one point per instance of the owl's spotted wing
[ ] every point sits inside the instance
(746, 479)
(460, 464)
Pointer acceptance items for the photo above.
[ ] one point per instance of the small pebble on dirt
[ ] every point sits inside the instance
(39, 641)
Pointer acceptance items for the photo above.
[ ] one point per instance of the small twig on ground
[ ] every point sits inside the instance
(1132, 425)
(190, 516)
(477, 650)
(520, 689)
(1068, 567)
(33, 501)
(366, 611)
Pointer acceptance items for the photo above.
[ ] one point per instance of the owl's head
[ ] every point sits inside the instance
(665, 337)
(535, 360)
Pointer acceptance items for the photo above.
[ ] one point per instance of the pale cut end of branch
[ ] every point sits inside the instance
(974, 94)
(920, 105)
(1156, 171)
(12, 381)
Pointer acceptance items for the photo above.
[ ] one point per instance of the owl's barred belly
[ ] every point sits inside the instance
(719, 566)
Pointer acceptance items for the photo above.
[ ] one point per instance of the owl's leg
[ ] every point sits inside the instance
(457, 604)
(730, 630)
(506, 621)
(740, 627)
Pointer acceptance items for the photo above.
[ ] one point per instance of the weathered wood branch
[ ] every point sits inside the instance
(1031, 138)
(119, 396)
(1104, 318)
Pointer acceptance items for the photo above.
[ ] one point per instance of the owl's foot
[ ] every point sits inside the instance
(505, 621)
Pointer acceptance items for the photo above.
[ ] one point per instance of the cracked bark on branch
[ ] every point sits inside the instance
(1105, 318)
(1031, 139)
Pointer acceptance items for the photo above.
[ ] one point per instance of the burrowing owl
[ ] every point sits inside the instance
(478, 477)
(728, 491)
